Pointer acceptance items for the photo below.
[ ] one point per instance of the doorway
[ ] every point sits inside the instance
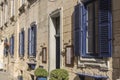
(54, 41)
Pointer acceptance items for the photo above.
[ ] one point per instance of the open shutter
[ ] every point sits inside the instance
(34, 41)
(12, 45)
(77, 30)
(30, 42)
(105, 28)
(19, 44)
(22, 43)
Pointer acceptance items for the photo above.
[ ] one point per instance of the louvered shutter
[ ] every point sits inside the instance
(105, 28)
(22, 43)
(19, 44)
(34, 39)
(84, 26)
(30, 42)
(12, 45)
(77, 30)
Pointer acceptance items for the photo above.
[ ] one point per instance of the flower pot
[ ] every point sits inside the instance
(41, 78)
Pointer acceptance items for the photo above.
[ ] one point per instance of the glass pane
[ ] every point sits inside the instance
(89, 36)
(96, 26)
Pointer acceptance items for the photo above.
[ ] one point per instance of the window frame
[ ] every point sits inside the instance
(32, 42)
(85, 47)
(104, 30)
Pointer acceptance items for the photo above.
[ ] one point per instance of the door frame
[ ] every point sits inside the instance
(51, 40)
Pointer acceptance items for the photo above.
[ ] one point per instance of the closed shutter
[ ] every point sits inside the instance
(77, 30)
(105, 28)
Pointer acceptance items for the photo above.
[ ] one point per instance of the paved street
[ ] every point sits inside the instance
(4, 76)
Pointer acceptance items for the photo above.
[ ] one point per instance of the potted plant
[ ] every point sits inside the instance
(59, 74)
(41, 74)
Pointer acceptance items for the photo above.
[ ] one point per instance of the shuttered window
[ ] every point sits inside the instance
(12, 46)
(93, 29)
(21, 43)
(32, 41)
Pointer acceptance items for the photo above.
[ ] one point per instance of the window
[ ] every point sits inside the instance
(12, 8)
(12, 46)
(21, 43)
(93, 28)
(32, 40)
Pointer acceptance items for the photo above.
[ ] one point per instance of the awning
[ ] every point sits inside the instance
(92, 76)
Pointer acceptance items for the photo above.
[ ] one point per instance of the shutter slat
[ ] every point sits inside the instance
(105, 27)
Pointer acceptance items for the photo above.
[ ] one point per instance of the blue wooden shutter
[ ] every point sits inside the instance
(105, 28)
(77, 30)
(12, 45)
(34, 41)
(22, 43)
(29, 42)
(19, 44)
(84, 26)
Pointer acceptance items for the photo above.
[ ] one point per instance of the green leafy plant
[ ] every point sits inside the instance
(59, 74)
(40, 72)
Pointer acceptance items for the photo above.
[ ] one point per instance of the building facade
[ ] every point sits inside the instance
(81, 36)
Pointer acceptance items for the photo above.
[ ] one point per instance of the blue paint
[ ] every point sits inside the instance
(41, 78)
(92, 76)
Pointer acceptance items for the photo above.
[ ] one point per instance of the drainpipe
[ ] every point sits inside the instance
(48, 45)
